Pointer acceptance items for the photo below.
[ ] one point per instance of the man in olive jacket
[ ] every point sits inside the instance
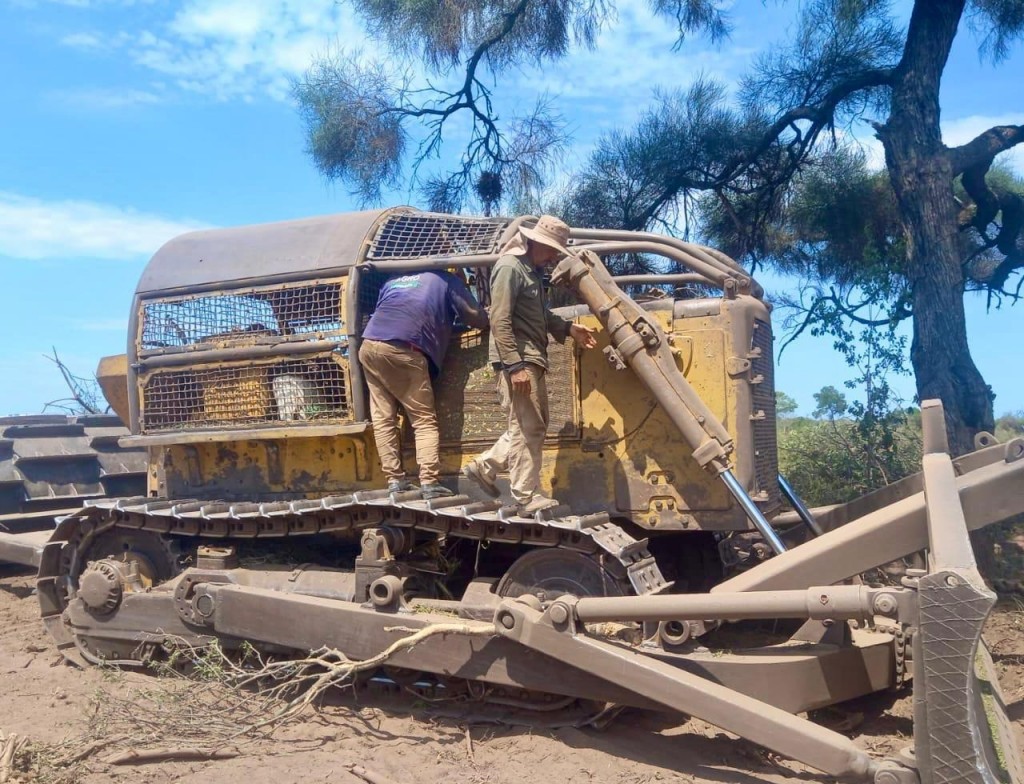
(520, 324)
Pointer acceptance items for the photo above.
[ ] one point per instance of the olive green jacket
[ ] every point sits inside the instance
(520, 318)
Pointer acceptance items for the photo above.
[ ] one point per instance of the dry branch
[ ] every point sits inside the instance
(369, 776)
(143, 757)
(209, 705)
(10, 745)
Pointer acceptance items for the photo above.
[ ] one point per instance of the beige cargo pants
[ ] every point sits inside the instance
(400, 375)
(520, 448)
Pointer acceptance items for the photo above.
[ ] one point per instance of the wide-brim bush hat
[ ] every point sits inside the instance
(550, 231)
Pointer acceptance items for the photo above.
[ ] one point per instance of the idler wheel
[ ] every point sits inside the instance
(548, 574)
(100, 587)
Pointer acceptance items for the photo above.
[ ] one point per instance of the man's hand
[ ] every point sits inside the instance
(584, 336)
(520, 380)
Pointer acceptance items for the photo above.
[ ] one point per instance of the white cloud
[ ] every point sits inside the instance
(32, 228)
(633, 55)
(84, 41)
(105, 98)
(92, 4)
(244, 48)
(963, 129)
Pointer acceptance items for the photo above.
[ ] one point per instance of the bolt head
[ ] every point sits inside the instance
(507, 620)
(885, 604)
(204, 605)
(559, 613)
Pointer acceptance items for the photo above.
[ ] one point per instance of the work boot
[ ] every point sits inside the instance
(435, 490)
(400, 485)
(537, 504)
(476, 474)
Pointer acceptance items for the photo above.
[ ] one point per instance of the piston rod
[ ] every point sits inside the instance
(756, 517)
(798, 506)
(836, 602)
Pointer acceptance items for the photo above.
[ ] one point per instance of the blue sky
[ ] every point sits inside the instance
(129, 122)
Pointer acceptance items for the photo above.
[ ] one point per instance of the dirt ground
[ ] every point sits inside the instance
(397, 741)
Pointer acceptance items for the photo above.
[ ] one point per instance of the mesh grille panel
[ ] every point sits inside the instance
(766, 455)
(467, 400)
(412, 236)
(243, 317)
(277, 393)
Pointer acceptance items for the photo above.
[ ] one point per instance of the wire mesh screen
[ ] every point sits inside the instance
(370, 283)
(766, 453)
(416, 235)
(466, 396)
(259, 394)
(243, 317)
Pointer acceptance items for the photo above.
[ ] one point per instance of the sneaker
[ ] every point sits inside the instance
(537, 504)
(475, 474)
(435, 490)
(400, 485)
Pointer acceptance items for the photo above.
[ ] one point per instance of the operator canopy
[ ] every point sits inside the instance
(312, 246)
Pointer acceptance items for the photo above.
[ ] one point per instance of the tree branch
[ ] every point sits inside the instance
(985, 146)
(819, 115)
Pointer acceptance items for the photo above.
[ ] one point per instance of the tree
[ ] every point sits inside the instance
(784, 404)
(848, 59)
(835, 458)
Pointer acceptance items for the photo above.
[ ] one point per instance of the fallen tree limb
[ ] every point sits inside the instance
(146, 756)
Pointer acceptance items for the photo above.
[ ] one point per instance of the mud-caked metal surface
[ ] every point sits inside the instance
(961, 732)
(64, 557)
(227, 374)
(51, 465)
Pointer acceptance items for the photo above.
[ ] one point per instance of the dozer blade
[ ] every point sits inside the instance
(961, 730)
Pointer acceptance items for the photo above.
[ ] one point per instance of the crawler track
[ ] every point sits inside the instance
(51, 463)
(77, 537)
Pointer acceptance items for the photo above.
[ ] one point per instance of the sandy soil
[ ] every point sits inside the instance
(48, 701)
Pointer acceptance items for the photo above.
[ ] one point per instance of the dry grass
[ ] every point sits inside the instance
(204, 704)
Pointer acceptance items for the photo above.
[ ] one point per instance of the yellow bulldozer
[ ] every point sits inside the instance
(263, 519)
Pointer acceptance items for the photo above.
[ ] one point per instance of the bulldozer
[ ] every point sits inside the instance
(264, 522)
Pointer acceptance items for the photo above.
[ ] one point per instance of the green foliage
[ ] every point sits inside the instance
(847, 451)
(836, 460)
(784, 404)
(1000, 21)
(852, 447)
(830, 403)
(1010, 425)
(350, 132)
(442, 35)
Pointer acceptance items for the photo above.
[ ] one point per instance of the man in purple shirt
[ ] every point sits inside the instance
(403, 347)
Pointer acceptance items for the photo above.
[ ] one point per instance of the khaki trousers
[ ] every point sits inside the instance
(520, 448)
(400, 375)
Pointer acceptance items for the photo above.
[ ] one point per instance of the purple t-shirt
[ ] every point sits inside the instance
(420, 309)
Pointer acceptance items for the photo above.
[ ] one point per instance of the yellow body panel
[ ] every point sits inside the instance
(112, 376)
(615, 449)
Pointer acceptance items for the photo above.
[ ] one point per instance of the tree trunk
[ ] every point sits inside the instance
(921, 172)
(941, 358)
